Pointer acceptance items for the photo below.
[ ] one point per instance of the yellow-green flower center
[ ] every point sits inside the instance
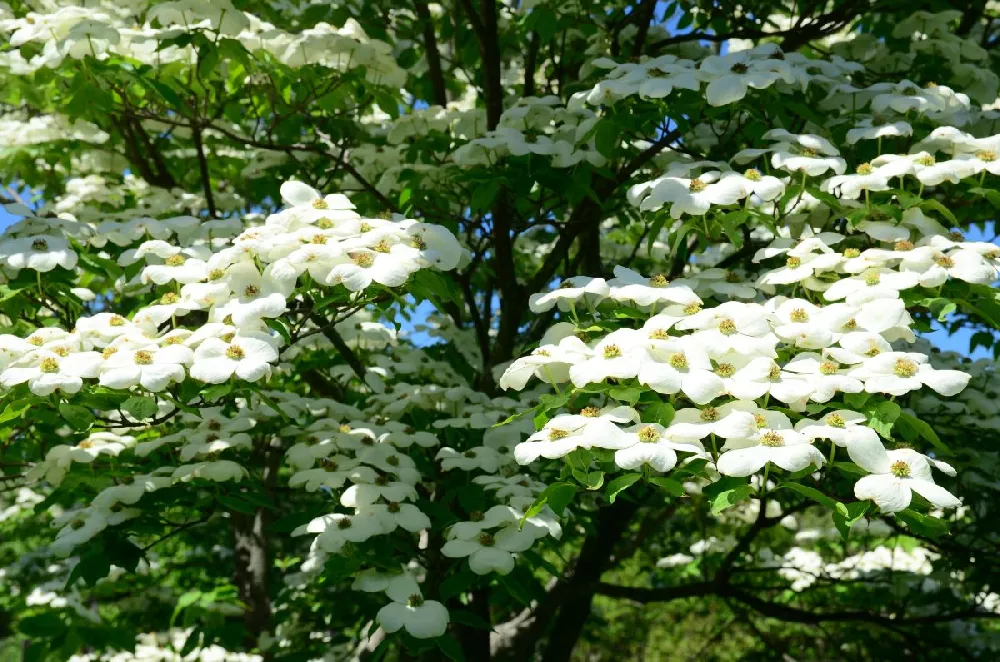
(905, 368)
(659, 280)
(235, 352)
(142, 357)
(49, 365)
(799, 315)
(612, 351)
(772, 439)
(709, 414)
(828, 368)
(899, 469)
(835, 420)
(725, 370)
(752, 174)
(727, 327)
(176, 260)
(649, 434)
(678, 361)
(363, 260)
(556, 434)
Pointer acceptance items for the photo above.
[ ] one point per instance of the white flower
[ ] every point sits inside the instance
(618, 355)
(480, 457)
(490, 552)
(898, 373)
(152, 367)
(550, 363)
(733, 326)
(651, 446)
(423, 619)
(40, 253)
(850, 187)
(731, 75)
(385, 264)
(785, 448)
(628, 285)
(731, 420)
(567, 432)
(871, 284)
(867, 130)
(219, 470)
(826, 377)
(847, 429)
(47, 372)
(568, 293)
(689, 196)
(895, 475)
(216, 360)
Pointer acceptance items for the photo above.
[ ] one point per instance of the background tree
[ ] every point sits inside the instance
(498, 331)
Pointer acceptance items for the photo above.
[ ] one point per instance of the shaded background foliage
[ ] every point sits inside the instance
(596, 594)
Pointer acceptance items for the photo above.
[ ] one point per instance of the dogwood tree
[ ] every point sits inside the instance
(498, 330)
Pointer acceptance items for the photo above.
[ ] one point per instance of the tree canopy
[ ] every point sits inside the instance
(499, 331)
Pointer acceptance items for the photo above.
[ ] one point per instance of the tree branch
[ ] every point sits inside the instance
(433, 54)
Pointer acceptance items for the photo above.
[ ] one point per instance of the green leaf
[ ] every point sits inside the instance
(912, 427)
(557, 496)
(185, 601)
(208, 60)
(844, 518)
(483, 195)
(856, 400)
(606, 138)
(516, 589)
(404, 196)
(237, 504)
(45, 626)
(140, 407)
(450, 647)
(466, 617)
(620, 484)
(592, 480)
(813, 494)
(669, 485)
(456, 584)
(882, 416)
(923, 525)
(14, 410)
(278, 326)
(660, 412)
(727, 492)
(932, 204)
(92, 567)
(79, 418)
(627, 394)
(217, 392)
